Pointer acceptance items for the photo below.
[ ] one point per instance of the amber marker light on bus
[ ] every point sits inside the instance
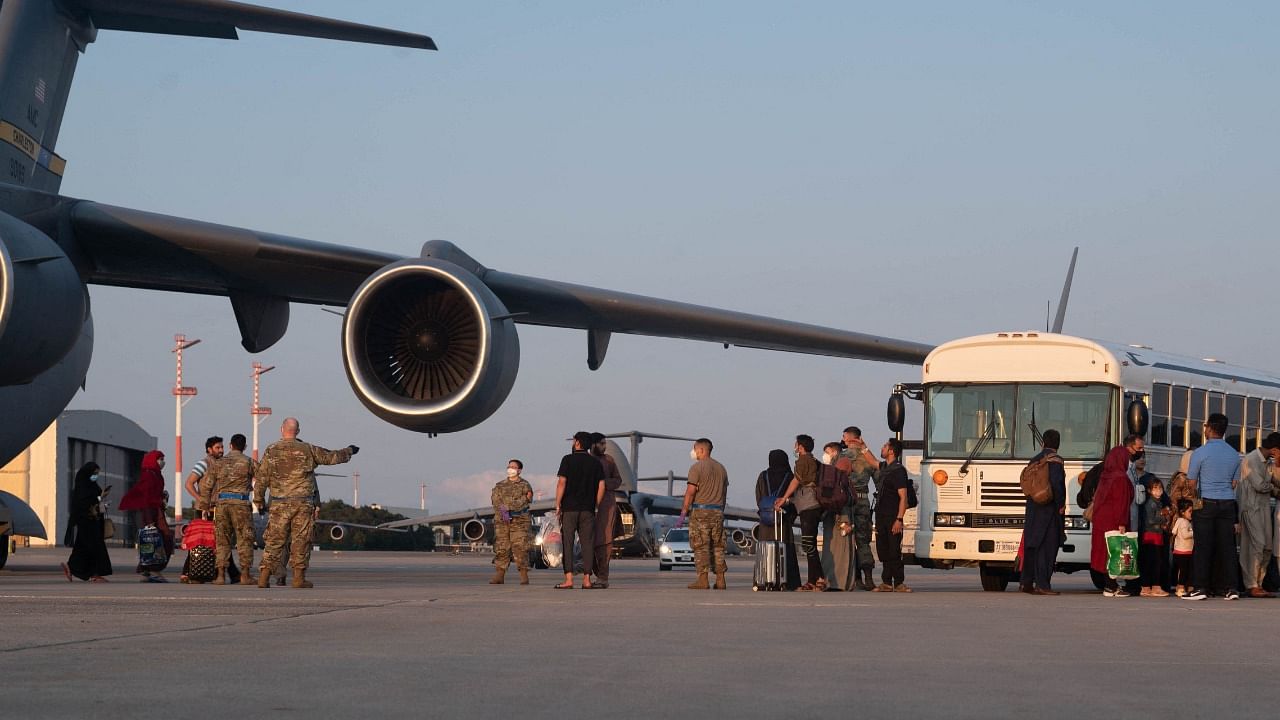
(939, 477)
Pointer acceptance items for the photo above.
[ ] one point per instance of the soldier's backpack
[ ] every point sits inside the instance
(1034, 479)
(833, 488)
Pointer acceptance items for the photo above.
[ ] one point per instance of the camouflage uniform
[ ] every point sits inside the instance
(706, 524)
(511, 539)
(706, 536)
(230, 476)
(862, 473)
(288, 468)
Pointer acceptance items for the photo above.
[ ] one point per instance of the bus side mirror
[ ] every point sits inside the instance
(896, 413)
(1136, 418)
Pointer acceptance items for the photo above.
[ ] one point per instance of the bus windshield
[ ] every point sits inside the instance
(960, 415)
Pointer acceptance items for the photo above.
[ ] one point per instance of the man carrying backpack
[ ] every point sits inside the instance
(1043, 523)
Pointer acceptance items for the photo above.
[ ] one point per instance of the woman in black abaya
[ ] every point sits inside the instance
(89, 559)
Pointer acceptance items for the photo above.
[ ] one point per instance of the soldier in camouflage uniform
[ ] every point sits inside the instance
(511, 524)
(865, 464)
(288, 469)
(226, 489)
(704, 494)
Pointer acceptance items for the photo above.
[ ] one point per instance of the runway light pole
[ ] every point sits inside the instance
(181, 396)
(355, 488)
(258, 412)
(422, 497)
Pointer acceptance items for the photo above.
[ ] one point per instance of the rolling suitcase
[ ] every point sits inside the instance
(771, 566)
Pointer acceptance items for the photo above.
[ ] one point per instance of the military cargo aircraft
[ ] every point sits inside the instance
(643, 517)
(428, 343)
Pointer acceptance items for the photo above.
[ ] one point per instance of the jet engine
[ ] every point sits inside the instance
(476, 530)
(46, 334)
(42, 302)
(337, 532)
(428, 346)
(741, 538)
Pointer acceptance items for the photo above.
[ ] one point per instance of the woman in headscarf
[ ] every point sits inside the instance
(147, 497)
(1111, 512)
(89, 559)
(771, 483)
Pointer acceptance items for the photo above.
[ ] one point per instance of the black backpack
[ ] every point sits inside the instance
(1089, 486)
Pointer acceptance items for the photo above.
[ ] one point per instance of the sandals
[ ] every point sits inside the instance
(97, 579)
(66, 571)
(820, 586)
(807, 587)
(563, 586)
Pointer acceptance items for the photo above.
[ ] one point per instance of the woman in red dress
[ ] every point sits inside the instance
(1111, 511)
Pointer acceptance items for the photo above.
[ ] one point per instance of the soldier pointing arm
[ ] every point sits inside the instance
(288, 471)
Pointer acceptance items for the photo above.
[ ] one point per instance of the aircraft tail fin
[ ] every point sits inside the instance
(221, 19)
(1066, 293)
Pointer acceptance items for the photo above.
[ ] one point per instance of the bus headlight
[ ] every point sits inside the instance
(940, 477)
(1075, 522)
(950, 520)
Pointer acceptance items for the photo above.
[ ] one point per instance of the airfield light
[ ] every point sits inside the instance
(257, 411)
(940, 477)
(181, 396)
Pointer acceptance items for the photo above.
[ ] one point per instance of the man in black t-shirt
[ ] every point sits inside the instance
(579, 489)
(891, 505)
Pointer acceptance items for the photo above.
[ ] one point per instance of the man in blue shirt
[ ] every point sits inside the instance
(1215, 468)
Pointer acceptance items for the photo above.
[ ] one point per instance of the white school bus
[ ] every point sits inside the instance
(987, 398)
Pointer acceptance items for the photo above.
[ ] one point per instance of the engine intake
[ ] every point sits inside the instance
(422, 349)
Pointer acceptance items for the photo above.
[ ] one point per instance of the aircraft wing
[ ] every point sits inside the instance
(262, 272)
(671, 504)
(486, 513)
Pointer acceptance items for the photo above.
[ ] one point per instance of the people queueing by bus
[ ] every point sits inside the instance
(1215, 468)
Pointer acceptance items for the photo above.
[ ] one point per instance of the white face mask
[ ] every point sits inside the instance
(693, 454)
(827, 458)
(94, 477)
(160, 463)
(512, 472)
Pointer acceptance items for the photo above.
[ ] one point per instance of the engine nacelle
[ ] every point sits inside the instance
(740, 537)
(43, 304)
(422, 347)
(475, 530)
(337, 532)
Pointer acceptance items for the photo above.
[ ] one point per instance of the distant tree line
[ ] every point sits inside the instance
(420, 538)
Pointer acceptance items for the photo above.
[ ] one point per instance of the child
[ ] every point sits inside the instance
(1183, 542)
(1153, 558)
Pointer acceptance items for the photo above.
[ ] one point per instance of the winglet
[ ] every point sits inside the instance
(1066, 293)
(221, 19)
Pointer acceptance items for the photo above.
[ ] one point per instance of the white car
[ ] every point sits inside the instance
(675, 549)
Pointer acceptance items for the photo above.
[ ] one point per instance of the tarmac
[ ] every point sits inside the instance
(424, 635)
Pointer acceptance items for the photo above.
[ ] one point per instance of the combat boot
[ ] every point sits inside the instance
(264, 579)
(720, 582)
(300, 579)
(221, 577)
(524, 576)
(247, 579)
(498, 575)
(700, 583)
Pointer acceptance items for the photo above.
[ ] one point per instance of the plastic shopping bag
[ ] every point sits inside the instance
(552, 544)
(1122, 555)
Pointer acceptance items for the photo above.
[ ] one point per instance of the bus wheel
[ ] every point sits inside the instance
(993, 579)
(1099, 579)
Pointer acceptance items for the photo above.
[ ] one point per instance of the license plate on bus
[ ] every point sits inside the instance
(1006, 546)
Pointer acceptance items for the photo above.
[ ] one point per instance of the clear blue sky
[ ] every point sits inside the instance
(915, 170)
